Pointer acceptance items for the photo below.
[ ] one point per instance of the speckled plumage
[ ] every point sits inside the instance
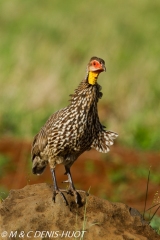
(72, 130)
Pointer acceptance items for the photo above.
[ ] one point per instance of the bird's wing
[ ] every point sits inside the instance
(39, 143)
(104, 140)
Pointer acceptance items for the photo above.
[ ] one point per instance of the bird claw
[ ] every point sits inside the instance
(55, 192)
(77, 196)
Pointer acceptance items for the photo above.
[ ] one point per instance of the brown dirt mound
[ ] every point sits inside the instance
(30, 210)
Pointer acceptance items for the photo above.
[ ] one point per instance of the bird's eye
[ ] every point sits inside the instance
(94, 63)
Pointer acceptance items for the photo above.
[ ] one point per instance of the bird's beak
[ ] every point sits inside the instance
(103, 67)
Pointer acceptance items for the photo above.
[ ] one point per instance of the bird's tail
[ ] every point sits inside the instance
(104, 140)
(38, 165)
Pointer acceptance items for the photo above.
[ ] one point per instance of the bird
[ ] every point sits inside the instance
(73, 130)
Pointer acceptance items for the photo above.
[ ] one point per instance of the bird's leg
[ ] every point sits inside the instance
(70, 181)
(72, 187)
(56, 189)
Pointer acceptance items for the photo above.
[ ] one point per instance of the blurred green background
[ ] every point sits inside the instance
(44, 49)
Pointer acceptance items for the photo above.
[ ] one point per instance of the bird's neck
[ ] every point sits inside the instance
(86, 91)
(92, 77)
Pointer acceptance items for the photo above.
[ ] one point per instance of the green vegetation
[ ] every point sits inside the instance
(155, 224)
(3, 193)
(44, 48)
(3, 163)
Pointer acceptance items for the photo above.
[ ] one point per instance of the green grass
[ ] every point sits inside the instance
(44, 49)
(3, 193)
(155, 224)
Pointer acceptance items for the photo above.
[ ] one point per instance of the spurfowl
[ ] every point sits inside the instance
(72, 130)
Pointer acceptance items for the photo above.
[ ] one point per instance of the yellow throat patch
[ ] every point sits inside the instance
(92, 77)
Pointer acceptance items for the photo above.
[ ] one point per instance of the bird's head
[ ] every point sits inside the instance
(95, 67)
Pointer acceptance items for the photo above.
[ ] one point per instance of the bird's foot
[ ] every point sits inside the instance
(60, 191)
(76, 193)
(77, 196)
